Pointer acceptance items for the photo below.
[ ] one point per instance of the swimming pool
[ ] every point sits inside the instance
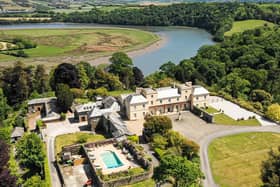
(111, 160)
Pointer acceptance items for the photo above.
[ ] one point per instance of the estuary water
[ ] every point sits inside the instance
(180, 42)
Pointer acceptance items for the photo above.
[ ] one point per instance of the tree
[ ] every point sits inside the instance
(157, 124)
(6, 179)
(273, 112)
(138, 76)
(234, 85)
(168, 69)
(97, 92)
(121, 65)
(41, 83)
(29, 150)
(4, 107)
(34, 181)
(261, 96)
(180, 171)
(84, 79)
(66, 74)
(64, 97)
(16, 83)
(270, 169)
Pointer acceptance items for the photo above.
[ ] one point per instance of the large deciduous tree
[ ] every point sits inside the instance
(273, 112)
(41, 82)
(64, 97)
(157, 125)
(178, 170)
(29, 150)
(138, 76)
(121, 65)
(66, 74)
(270, 172)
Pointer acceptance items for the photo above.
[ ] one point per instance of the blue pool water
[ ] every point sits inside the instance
(111, 160)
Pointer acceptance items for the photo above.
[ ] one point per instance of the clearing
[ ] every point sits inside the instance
(73, 42)
(236, 160)
(241, 26)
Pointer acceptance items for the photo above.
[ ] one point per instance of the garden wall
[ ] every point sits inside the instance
(202, 114)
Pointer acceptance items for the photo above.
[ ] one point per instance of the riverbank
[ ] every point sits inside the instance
(162, 41)
(89, 44)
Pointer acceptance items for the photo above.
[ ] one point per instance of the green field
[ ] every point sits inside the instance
(98, 41)
(69, 139)
(236, 160)
(241, 26)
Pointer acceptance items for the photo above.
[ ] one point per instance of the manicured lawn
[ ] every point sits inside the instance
(146, 183)
(211, 110)
(241, 26)
(236, 160)
(223, 119)
(97, 41)
(119, 92)
(69, 139)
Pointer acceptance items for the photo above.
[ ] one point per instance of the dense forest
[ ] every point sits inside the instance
(216, 18)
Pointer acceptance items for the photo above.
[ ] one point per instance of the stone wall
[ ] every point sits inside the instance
(203, 115)
(138, 157)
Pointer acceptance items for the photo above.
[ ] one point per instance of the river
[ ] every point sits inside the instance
(181, 42)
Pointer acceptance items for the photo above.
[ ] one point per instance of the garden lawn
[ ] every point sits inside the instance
(236, 160)
(223, 119)
(119, 92)
(69, 139)
(241, 26)
(146, 183)
(97, 41)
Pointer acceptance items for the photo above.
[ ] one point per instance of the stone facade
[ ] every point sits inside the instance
(148, 101)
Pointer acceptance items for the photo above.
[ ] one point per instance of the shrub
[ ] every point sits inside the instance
(159, 141)
(77, 93)
(62, 116)
(134, 139)
(39, 123)
(82, 138)
(273, 112)
(97, 92)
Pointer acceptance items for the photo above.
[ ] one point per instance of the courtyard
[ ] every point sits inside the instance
(76, 176)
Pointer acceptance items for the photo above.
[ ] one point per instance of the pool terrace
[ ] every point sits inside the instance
(110, 159)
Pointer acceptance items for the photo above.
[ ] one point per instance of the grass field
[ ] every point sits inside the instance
(241, 26)
(224, 119)
(69, 139)
(55, 42)
(236, 160)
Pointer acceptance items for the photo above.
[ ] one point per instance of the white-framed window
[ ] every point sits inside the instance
(144, 105)
(177, 98)
(152, 96)
(169, 100)
(205, 97)
(152, 102)
(144, 113)
(160, 101)
(135, 115)
(196, 98)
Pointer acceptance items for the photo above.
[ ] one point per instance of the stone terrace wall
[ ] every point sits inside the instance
(202, 114)
(125, 180)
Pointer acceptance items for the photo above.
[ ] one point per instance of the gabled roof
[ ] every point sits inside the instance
(41, 100)
(108, 101)
(199, 90)
(167, 92)
(136, 99)
(120, 126)
(17, 132)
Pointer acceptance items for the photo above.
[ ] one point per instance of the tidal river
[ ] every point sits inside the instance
(178, 43)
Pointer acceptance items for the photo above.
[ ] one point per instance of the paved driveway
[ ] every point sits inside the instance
(235, 111)
(195, 128)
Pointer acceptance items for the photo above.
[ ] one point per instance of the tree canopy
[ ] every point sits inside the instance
(270, 169)
(157, 125)
(64, 97)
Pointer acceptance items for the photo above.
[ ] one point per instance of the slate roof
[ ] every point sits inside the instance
(41, 100)
(199, 90)
(167, 92)
(85, 107)
(17, 132)
(136, 99)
